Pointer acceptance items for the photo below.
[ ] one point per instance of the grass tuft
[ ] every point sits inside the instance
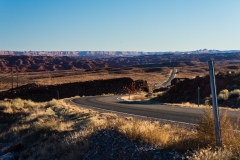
(139, 97)
(144, 131)
(234, 94)
(223, 95)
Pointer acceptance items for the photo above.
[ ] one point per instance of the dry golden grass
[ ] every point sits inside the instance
(57, 129)
(206, 132)
(144, 131)
(132, 128)
(50, 127)
(139, 97)
(194, 105)
(204, 106)
(188, 104)
(206, 138)
(60, 77)
(214, 154)
(135, 97)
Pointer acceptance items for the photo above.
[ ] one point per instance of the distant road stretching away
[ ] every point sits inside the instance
(172, 113)
(171, 77)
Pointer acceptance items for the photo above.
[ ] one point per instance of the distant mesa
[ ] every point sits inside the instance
(60, 60)
(107, 53)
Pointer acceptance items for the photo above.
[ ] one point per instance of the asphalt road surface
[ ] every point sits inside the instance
(171, 113)
(171, 77)
(174, 114)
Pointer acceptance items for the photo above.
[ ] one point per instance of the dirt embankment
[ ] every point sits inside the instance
(185, 90)
(90, 88)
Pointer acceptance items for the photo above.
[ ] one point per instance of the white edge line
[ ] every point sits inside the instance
(134, 114)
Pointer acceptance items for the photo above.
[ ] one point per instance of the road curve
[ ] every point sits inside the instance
(171, 113)
(171, 77)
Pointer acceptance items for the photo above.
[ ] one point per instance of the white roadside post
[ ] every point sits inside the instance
(215, 104)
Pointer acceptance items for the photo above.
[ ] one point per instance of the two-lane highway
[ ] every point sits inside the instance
(172, 113)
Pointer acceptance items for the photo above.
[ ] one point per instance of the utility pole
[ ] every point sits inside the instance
(51, 83)
(198, 96)
(215, 104)
(17, 75)
(12, 76)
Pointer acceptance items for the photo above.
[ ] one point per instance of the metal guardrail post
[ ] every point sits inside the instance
(215, 104)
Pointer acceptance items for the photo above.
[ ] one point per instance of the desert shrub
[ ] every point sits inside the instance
(205, 129)
(206, 132)
(223, 95)
(207, 100)
(235, 86)
(213, 154)
(5, 106)
(31, 104)
(17, 103)
(51, 103)
(234, 94)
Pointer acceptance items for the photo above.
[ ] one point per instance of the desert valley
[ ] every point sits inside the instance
(119, 80)
(35, 110)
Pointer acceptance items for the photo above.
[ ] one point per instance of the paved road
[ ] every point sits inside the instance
(171, 77)
(170, 113)
(112, 103)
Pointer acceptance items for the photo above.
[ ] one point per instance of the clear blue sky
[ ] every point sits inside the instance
(119, 25)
